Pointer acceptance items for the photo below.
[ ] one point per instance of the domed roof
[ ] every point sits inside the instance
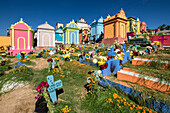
(45, 26)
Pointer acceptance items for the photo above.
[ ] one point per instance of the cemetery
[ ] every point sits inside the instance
(66, 71)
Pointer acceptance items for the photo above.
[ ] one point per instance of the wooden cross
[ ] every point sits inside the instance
(52, 87)
(112, 53)
(162, 39)
(19, 64)
(53, 63)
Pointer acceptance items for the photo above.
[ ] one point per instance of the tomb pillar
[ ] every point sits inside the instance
(28, 47)
(13, 41)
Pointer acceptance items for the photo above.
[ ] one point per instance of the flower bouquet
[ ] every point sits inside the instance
(50, 60)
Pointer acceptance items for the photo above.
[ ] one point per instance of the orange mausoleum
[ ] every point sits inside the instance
(115, 28)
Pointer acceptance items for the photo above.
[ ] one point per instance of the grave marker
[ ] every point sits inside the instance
(124, 47)
(53, 63)
(19, 64)
(112, 53)
(52, 87)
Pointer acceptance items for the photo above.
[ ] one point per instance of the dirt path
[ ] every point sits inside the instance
(20, 100)
(41, 63)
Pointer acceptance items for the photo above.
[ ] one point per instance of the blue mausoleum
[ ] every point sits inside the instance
(59, 35)
(97, 28)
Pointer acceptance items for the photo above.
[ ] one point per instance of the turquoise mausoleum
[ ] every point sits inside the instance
(97, 28)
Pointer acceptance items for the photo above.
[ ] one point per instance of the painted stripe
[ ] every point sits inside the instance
(140, 59)
(143, 76)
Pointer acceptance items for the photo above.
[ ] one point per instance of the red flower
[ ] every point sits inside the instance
(106, 65)
(118, 52)
(50, 60)
(46, 85)
(109, 57)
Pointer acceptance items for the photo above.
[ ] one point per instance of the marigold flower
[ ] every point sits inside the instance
(131, 108)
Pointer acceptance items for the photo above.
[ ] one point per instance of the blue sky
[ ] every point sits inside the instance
(36, 12)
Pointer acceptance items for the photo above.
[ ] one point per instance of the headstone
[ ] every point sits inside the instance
(19, 64)
(52, 87)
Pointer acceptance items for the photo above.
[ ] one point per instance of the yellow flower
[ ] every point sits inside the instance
(131, 108)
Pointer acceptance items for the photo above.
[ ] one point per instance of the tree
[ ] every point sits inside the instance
(162, 27)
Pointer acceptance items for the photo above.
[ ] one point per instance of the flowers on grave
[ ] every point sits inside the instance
(40, 89)
(95, 61)
(104, 66)
(109, 57)
(102, 60)
(21, 69)
(50, 60)
(66, 109)
(119, 102)
(2, 63)
(66, 57)
(56, 58)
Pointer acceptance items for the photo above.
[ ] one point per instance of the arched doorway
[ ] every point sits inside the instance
(21, 43)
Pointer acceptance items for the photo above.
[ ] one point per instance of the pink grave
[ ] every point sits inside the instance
(21, 38)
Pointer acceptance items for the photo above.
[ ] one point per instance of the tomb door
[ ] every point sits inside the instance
(73, 37)
(21, 43)
(46, 39)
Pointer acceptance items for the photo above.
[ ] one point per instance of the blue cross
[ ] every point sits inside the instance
(147, 51)
(112, 53)
(52, 87)
(19, 64)
(124, 47)
(19, 56)
(103, 45)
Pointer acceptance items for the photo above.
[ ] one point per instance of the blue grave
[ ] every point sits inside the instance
(113, 67)
(52, 87)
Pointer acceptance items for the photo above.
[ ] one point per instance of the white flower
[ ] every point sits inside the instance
(95, 61)
(99, 71)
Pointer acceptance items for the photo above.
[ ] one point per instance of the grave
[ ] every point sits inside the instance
(52, 88)
(113, 67)
(130, 75)
(19, 64)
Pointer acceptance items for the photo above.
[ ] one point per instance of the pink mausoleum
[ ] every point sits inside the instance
(21, 38)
